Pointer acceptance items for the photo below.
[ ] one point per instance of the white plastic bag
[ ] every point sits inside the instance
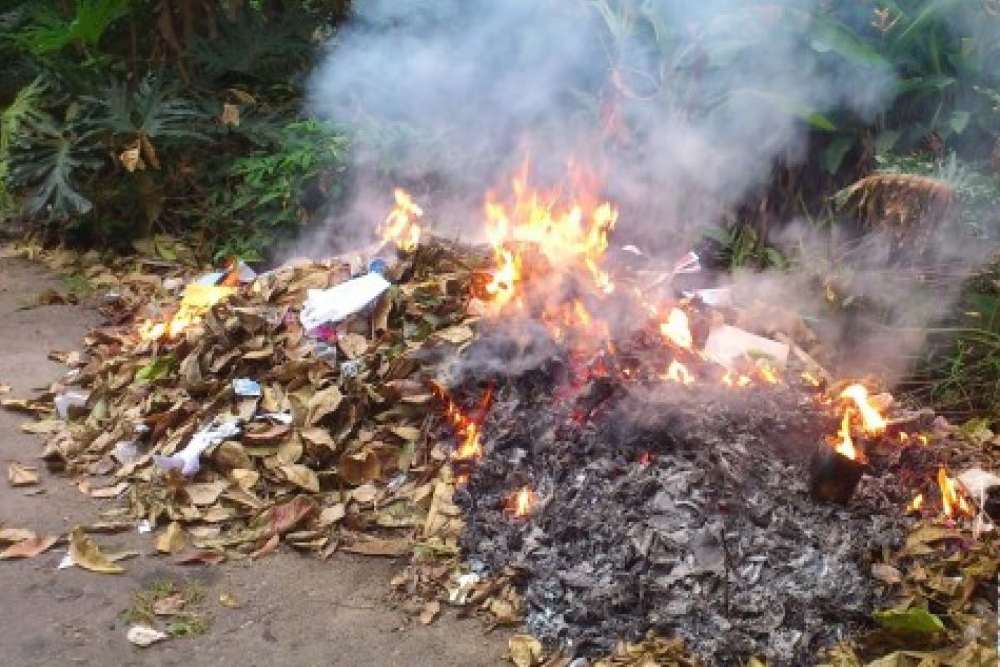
(188, 459)
(341, 301)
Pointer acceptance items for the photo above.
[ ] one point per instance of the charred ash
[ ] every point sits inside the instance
(679, 509)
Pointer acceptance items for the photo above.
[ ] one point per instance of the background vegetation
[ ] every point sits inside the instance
(127, 118)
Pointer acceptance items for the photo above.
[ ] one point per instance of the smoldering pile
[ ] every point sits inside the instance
(680, 509)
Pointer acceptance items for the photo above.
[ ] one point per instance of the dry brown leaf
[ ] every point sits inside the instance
(244, 478)
(353, 345)
(456, 335)
(172, 540)
(108, 491)
(20, 475)
(282, 518)
(28, 548)
(201, 557)
(268, 547)
(320, 437)
(524, 650)
(170, 605)
(16, 534)
(42, 427)
(371, 546)
(86, 554)
(206, 493)
(331, 515)
(301, 476)
(430, 612)
(323, 403)
(886, 573)
(268, 436)
(359, 467)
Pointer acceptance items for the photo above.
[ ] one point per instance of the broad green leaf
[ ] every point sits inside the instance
(914, 619)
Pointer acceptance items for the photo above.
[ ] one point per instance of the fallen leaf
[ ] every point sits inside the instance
(359, 467)
(322, 403)
(109, 491)
(379, 547)
(170, 605)
(207, 493)
(301, 476)
(228, 600)
(86, 554)
(16, 534)
(172, 540)
(42, 427)
(912, 620)
(455, 335)
(331, 515)
(352, 345)
(430, 612)
(143, 635)
(201, 557)
(19, 475)
(267, 547)
(524, 650)
(28, 548)
(886, 573)
(282, 518)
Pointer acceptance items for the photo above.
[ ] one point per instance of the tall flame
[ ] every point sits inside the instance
(871, 420)
(845, 445)
(522, 502)
(401, 226)
(952, 500)
(197, 300)
(678, 372)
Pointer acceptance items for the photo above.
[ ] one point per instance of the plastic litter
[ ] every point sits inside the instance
(143, 635)
(126, 451)
(350, 369)
(459, 595)
(144, 526)
(69, 400)
(728, 344)
(246, 387)
(341, 301)
(719, 297)
(188, 459)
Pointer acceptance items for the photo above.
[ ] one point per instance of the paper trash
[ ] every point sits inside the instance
(246, 387)
(187, 460)
(727, 344)
(341, 301)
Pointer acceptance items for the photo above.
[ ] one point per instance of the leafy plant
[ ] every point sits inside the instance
(263, 202)
(49, 32)
(23, 110)
(740, 246)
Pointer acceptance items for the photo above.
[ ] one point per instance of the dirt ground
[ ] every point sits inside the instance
(293, 609)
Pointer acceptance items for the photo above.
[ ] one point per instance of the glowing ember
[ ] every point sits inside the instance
(904, 437)
(197, 300)
(678, 372)
(871, 420)
(845, 445)
(521, 503)
(953, 501)
(466, 427)
(915, 504)
(810, 378)
(676, 330)
(401, 225)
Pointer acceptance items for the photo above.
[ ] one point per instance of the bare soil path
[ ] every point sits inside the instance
(293, 609)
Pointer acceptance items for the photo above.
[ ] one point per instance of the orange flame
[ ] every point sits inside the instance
(871, 420)
(845, 445)
(768, 372)
(522, 502)
(736, 380)
(566, 232)
(952, 499)
(198, 299)
(466, 427)
(675, 329)
(810, 378)
(915, 504)
(400, 224)
(678, 372)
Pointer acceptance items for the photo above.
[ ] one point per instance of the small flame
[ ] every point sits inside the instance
(768, 372)
(904, 437)
(871, 420)
(400, 226)
(676, 329)
(922, 439)
(810, 378)
(845, 445)
(678, 372)
(466, 427)
(953, 501)
(736, 380)
(198, 299)
(915, 504)
(522, 502)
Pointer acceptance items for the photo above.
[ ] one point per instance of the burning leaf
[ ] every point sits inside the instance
(86, 554)
(913, 620)
(19, 475)
(524, 650)
(301, 476)
(172, 540)
(28, 547)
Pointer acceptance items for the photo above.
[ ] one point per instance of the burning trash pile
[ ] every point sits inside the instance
(629, 452)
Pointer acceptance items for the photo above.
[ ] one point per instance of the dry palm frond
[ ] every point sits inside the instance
(907, 206)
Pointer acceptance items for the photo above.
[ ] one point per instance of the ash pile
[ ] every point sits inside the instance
(629, 503)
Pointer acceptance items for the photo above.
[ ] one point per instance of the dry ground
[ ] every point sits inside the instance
(294, 610)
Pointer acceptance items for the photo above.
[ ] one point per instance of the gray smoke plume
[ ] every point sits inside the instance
(681, 108)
